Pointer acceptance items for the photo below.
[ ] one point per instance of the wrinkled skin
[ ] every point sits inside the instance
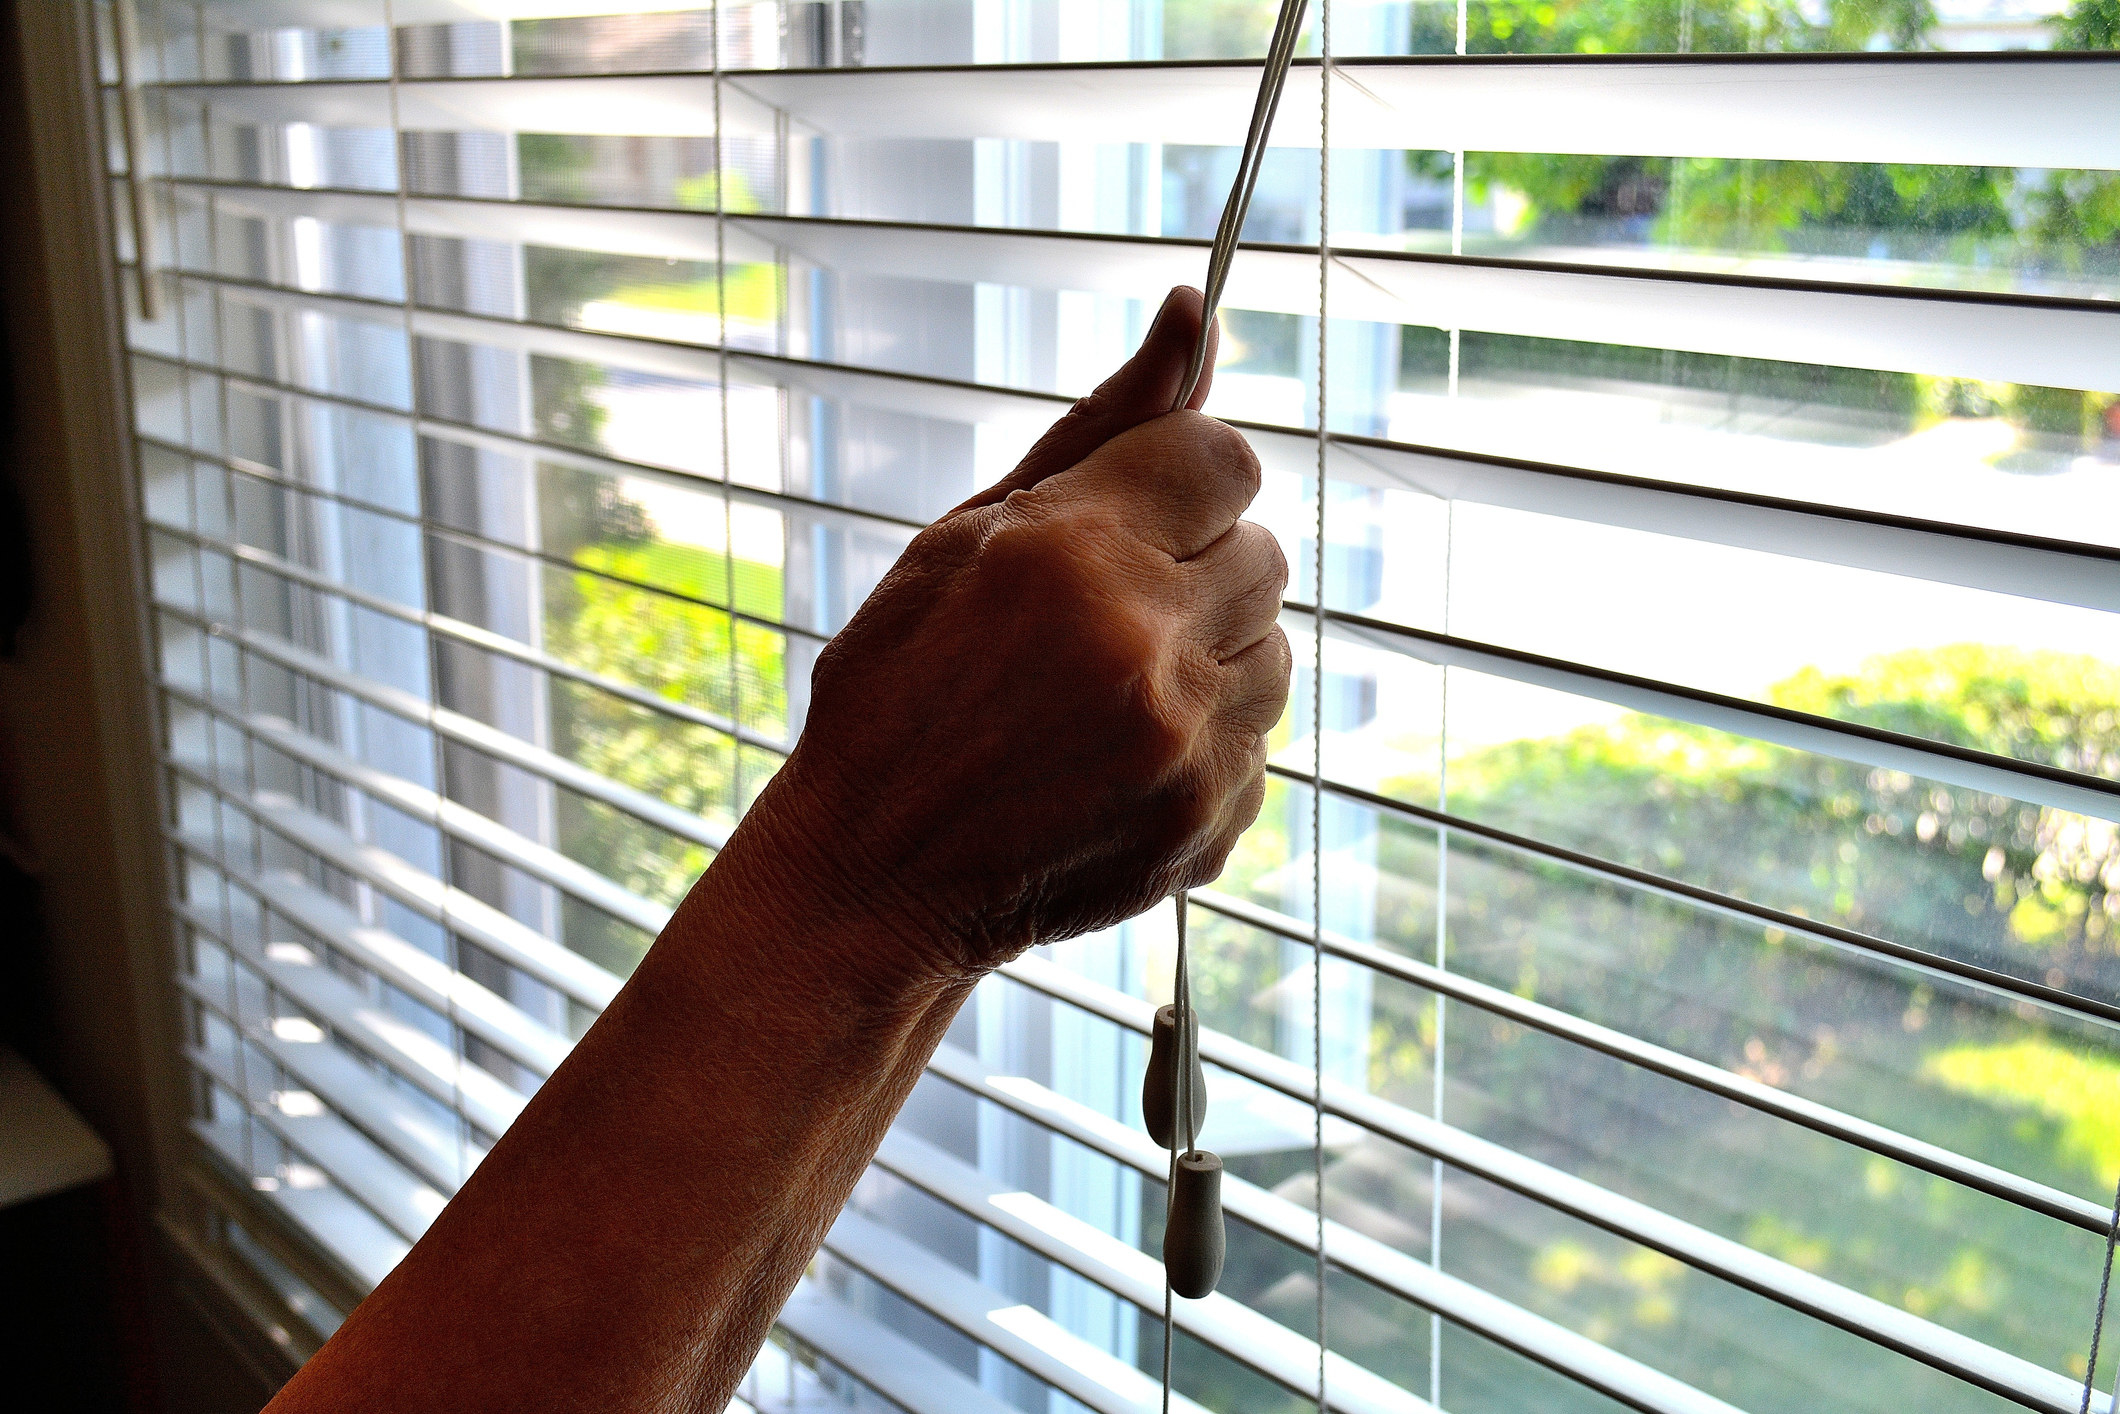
(1051, 712)
(1046, 718)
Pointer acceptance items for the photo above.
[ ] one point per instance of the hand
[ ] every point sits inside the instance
(1050, 714)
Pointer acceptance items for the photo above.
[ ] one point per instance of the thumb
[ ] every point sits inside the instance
(1142, 390)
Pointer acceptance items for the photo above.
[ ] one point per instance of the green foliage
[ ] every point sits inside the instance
(1671, 26)
(2074, 211)
(619, 616)
(1217, 29)
(2024, 889)
(1510, 356)
(1874, 850)
(754, 294)
(564, 403)
(551, 164)
(1743, 204)
(2089, 24)
(2049, 218)
(2061, 1083)
(700, 193)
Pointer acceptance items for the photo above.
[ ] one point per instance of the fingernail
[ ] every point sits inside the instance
(1164, 311)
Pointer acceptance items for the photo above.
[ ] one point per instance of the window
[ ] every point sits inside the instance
(1721, 614)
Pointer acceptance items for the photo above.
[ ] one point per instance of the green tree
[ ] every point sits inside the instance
(2064, 221)
(1671, 26)
(2089, 24)
(644, 612)
(2027, 889)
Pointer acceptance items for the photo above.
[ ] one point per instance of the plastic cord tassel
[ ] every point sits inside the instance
(1159, 1096)
(1194, 1240)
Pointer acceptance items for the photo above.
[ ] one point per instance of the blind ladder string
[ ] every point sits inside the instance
(246, 782)
(1317, 699)
(1193, 1228)
(437, 751)
(721, 387)
(129, 41)
(2105, 1282)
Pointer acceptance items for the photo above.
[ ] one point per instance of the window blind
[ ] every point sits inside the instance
(1711, 901)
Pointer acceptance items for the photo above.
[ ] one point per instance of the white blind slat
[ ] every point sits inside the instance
(1986, 111)
(1873, 1319)
(2042, 343)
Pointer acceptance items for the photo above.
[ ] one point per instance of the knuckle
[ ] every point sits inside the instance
(1024, 553)
(1230, 449)
(1279, 557)
(1194, 809)
(1252, 799)
(1267, 555)
(1069, 592)
(1159, 738)
(1272, 663)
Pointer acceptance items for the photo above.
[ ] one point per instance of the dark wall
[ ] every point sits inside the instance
(103, 1310)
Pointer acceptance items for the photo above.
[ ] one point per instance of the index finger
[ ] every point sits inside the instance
(1179, 481)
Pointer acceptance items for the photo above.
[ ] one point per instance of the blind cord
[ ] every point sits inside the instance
(1279, 50)
(1317, 699)
(1202, 1223)
(1179, 989)
(2105, 1282)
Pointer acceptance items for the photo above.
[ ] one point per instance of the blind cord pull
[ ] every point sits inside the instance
(1174, 1092)
(1159, 1087)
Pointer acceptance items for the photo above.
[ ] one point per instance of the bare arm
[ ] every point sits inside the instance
(1049, 716)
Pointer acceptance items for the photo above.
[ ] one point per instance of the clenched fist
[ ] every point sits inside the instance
(1052, 711)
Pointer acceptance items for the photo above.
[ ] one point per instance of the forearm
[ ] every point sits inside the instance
(1048, 716)
(631, 1237)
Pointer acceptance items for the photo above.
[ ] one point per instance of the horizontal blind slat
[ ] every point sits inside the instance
(1586, 1361)
(1941, 552)
(407, 1051)
(469, 634)
(1874, 1320)
(250, 16)
(1876, 1138)
(489, 1017)
(2003, 339)
(467, 731)
(569, 971)
(1799, 731)
(419, 974)
(612, 896)
(403, 1202)
(2044, 343)
(881, 1358)
(355, 1092)
(349, 1234)
(1229, 1326)
(1847, 108)
(1852, 1129)
(508, 939)
(1003, 1324)
(1960, 110)
(1678, 891)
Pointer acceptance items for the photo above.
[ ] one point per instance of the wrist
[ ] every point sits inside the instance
(802, 882)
